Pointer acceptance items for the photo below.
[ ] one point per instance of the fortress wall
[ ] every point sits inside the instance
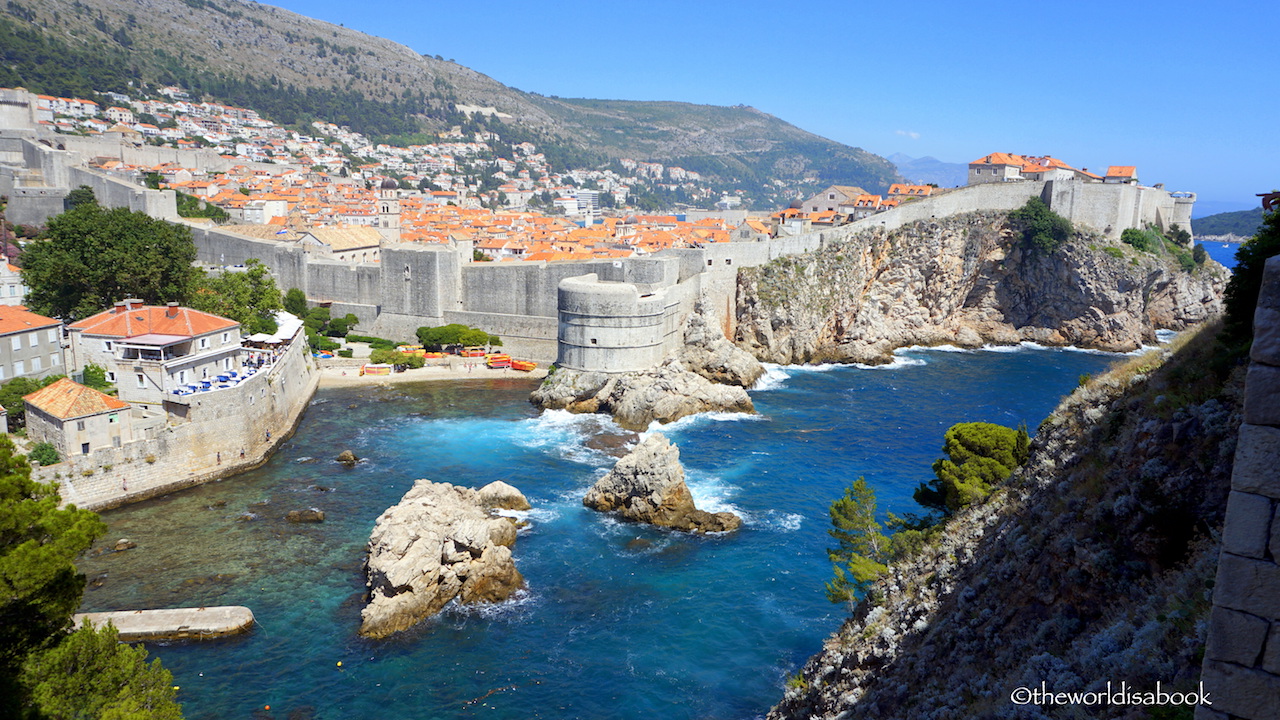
(339, 282)
(117, 193)
(1241, 668)
(227, 432)
(612, 327)
(89, 148)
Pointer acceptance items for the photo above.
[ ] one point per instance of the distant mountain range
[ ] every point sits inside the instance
(294, 69)
(930, 170)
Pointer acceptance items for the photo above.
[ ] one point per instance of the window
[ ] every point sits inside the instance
(53, 335)
(80, 425)
(182, 377)
(1, 372)
(111, 375)
(113, 418)
(19, 368)
(593, 341)
(106, 345)
(226, 364)
(225, 337)
(142, 380)
(84, 448)
(55, 360)
(115, 441)
(35, 364)
(204, 343)
(17, 342)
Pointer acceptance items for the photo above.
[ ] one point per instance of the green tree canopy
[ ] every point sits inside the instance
(88, 258)
(862, 550)
(247, 296)
(979, 456)
(39, 585)
(1041, 228)
(1246, 279)
(82, 195)
(90, 674)
(295, 302)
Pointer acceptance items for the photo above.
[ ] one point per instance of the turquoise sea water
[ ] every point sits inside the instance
(619, 621)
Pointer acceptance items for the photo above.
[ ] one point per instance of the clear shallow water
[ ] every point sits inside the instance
(619, 621)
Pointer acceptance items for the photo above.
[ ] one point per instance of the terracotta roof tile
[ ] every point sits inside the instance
(144, 319)
(15, 318)
(67, 399)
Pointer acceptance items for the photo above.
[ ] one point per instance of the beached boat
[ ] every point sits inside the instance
(523, 365)
(498, 360)
(372, 369)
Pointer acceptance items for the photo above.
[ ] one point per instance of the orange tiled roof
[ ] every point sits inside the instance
(67, 399)
(1126, 171)
(144, 319)
(15, 318)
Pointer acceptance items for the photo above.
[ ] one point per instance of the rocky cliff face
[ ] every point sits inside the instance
(438, 543)
(1093, 564)
(647, 485)
(964, 280)
(708, 374)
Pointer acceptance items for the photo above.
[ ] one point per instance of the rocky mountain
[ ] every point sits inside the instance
(293, 68)
(1094, 563)
(965, 280)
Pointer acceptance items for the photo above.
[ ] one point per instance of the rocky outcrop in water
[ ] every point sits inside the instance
(965, 280)
(439, 543)
(1093, 563)
(648, 486)
(708, 374)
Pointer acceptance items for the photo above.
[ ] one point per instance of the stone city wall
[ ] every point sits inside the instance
(226, 432)
(1242, 660)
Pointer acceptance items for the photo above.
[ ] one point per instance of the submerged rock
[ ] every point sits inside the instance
(439, 543)
(648, 486)
(348, 458)
(311, 515)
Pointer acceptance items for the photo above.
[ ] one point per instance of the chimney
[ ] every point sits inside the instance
(172, 310)
(132, 304)
(119, 307)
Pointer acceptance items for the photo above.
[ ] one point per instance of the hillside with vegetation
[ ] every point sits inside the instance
(1242, 222)
(295, 69)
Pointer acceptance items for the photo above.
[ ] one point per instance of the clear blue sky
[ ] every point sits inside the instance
(1179, 88)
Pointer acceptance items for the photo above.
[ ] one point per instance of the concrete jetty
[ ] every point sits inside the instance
(200, 623)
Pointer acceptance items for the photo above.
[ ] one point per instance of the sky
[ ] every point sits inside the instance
(1178, 89)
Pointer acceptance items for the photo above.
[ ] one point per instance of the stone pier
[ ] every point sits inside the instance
(200, 623)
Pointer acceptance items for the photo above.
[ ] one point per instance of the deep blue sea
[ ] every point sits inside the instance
(619, 620)
(1224, 253)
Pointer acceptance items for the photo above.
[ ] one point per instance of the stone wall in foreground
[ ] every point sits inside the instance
(1242, 661)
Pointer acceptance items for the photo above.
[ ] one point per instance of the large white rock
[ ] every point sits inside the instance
(438, 543)
(648, 486)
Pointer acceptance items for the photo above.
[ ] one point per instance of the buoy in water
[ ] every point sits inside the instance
(339, 663)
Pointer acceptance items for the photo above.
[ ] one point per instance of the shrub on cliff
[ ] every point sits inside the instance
(979, 456)
(1041, 228)
(862, 551)
(1246, 280)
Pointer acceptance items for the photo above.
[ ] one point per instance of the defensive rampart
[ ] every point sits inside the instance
(1242, 659)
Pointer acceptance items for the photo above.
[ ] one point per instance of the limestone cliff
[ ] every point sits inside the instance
(1092, 564)
(438, 543)
(707, 374)
(647, 485)
(964, 280)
